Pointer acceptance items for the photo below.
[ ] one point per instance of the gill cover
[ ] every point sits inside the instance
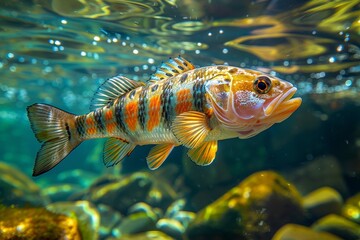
(231, 103)
(219, 95)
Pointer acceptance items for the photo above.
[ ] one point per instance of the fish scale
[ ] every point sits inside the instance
(180, 105)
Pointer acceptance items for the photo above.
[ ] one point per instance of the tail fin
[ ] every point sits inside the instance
(52, 127)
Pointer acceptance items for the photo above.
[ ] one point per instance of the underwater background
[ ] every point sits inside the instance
(300, 179)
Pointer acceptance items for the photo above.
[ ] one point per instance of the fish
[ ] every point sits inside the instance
(180, 105)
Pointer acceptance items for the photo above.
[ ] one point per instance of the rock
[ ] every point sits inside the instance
(154, 213)
(255, 209)
(17, 189)
(37, 223)
(175, 220)
(129, 190)
(321, 172)
(120, 195)
(86, 214)
(351, 209)
(175, 207)
(298, 232)
(135, 223)
(322, 202)
(62, 192)
(109, 218)
(184, 217)
(339, 226)
(150, 235)
(171, 227)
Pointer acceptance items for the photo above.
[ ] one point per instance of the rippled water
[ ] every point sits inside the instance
(58, 52)
(73, 45)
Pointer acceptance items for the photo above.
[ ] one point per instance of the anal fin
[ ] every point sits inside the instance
(158, 155)
(115, 150)
(204, 154)
(191, 128)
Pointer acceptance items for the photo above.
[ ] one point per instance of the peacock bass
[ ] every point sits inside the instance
(179, 105)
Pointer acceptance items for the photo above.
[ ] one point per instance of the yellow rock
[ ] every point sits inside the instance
(254, 209)
(298, 232)
(339, 226)
(18, 189)
(36, 223)
(87, 216)
(351, 209)
(322, 202)
(150, 235)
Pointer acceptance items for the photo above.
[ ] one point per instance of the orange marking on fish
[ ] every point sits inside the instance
(91, 130)
(90, 121)
(90, 125)
(131, 113)
(110, 127)
(183, 101)
(108, 115)
(154, 112)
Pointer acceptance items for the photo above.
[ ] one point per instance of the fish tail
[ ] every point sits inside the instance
(53, 128)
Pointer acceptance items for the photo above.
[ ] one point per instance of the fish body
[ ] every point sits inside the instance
(180, 105)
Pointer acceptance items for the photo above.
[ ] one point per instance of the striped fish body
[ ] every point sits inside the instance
(145, 114)
(180, 105)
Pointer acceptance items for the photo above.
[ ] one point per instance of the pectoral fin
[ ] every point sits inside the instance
(204, 154)
(158, 155)
(115, 150)
(191, 128)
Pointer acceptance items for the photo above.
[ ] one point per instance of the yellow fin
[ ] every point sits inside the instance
(112, 89)
(158, 155)
(204, 154)
(115, 150)
(172, 68)
(191, 128)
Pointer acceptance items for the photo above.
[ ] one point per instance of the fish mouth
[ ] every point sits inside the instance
(285, 98)
(283, 106)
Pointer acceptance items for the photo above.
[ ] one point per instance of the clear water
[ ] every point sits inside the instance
(58, 52)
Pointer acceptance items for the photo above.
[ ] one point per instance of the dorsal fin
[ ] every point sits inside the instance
(172, 68)
(112, 89)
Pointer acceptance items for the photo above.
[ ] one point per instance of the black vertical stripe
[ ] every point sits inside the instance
(142, 107)
(68, 131)
(80, 125)
(198, 95)
(166, 100)
(119, 108)
(98, 119)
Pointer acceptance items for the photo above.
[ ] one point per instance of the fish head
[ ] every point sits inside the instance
(249, 101)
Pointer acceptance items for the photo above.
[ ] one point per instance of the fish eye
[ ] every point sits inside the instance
(262, 84)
